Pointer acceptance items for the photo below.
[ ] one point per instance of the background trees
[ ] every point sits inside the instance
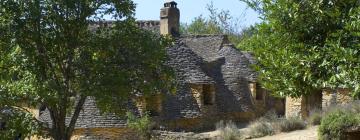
(306, 45)
(51, 55)
(218, 22)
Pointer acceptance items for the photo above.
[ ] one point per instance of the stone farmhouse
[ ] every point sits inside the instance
(215, 82)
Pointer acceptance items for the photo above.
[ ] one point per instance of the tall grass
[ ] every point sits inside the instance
(271, 124)
(261, 127)
(315, 117)
(228, 131)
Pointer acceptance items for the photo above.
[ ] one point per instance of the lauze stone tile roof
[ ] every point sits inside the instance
(196, 59)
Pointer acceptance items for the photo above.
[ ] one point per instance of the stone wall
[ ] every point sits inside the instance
(204, 94)
(343, 96)
(334, 97)
(303, 105)
(206, 122)
(264, 102)
(318, 100)
(104, 133)
(293, 107)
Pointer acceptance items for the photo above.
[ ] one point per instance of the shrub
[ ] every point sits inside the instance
(270, 124)
(334, 123)
(141, 125)
(315, 117)
(289, 124)
(228, 131)
(271, 116)
(260, 127)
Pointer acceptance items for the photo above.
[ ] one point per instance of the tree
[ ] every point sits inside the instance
(303, 46)
(218, 22)
(52, 55)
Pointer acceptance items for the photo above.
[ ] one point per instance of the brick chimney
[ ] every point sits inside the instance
(170, 19)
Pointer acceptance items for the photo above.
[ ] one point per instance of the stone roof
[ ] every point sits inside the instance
(209, 59)
(252, 74)
(91, 117)
(188, 63)
(196, 59)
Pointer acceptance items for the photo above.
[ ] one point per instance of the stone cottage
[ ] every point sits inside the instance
(215, 82)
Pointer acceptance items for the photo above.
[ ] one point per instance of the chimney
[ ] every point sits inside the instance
(170, 19)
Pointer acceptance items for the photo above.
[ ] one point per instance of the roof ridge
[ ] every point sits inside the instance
(203, 35)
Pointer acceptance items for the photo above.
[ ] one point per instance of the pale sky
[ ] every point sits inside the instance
(150, 10)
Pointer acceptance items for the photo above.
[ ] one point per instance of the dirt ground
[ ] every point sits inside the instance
(307, 134)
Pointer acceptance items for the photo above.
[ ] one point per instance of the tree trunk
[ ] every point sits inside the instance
(60, 130)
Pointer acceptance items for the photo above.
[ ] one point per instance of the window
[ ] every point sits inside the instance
(153, 112)
(208, 96)
(153, 105)
(259, 92)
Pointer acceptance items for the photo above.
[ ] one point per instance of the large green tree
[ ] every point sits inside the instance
(303, 46)
(54, 54)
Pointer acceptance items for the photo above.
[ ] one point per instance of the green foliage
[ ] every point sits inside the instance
(142, 125)
(51, 54)
(336, 122)
(303, 46)
(228, 131)
(218, 22)
(16, 122)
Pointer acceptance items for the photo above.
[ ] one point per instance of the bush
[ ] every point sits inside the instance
(289, 124)
(260, 128)
(228, 131)
(270, 124)
(334, 123)
(315, 117)
(141, 125)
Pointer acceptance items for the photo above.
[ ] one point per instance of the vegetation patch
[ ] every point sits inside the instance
(142, 125)
(260, 128)
(289, 124)
(315, 117)
(336, 121)
(271, 124)
(228, 131)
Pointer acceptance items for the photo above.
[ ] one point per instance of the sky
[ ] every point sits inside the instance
(189, 9)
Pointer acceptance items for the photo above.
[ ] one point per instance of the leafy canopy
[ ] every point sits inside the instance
(306, 45)
(55, 53)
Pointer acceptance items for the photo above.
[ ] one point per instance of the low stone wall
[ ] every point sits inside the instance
(206, 122)
(104, 133)
(168, 135)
